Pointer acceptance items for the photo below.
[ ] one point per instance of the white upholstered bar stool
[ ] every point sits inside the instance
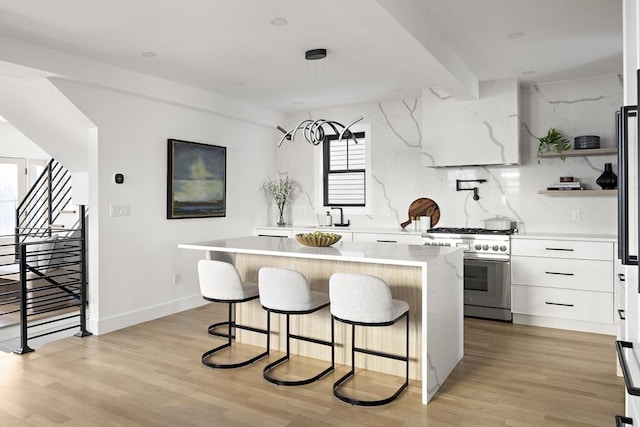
(221, 282)
(363, 300)
(287, 292)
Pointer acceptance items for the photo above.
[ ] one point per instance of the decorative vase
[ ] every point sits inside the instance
(281, 222)
(608, 180)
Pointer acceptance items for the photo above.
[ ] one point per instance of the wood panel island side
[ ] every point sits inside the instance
(428, 278)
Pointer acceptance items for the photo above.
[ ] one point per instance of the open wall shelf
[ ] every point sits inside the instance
(587, 152)
(578, 193)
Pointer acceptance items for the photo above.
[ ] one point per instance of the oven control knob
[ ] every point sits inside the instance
(478, 247)
(485, 247)
(494, 248)
(503, 248)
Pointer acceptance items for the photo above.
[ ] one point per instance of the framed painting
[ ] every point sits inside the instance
(196, 180)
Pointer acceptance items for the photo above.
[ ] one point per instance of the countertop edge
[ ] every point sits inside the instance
(244, 247)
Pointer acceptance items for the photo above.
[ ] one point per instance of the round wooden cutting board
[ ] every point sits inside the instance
(423, 207)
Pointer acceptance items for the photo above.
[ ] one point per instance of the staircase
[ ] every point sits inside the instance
(43, 278)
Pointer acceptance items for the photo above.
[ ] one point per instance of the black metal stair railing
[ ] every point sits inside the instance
(43, 279)
(53, 280)
(44, 203)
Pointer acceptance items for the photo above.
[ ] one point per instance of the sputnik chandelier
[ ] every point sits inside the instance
(314, 131)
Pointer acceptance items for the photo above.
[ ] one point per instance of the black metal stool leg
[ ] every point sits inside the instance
(230, 335)
(351, 374)
(229, 323)
(266, 373)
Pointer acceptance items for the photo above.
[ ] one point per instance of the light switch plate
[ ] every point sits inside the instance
(119, 210)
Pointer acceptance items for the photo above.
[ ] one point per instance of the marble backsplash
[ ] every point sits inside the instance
(577, 107)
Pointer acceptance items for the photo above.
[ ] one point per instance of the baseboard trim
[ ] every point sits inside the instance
(567, 324)
(110, 324)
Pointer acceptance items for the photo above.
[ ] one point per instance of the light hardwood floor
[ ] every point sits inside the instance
(151, 375)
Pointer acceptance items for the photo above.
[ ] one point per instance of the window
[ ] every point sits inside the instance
(344, 170)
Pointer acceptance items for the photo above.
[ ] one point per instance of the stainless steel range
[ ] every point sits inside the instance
(487, 268)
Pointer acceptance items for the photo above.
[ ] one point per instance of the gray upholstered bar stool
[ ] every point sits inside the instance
(363, 300)
(221, 282)
(287, 292)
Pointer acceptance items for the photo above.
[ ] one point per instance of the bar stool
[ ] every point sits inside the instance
(287, 292)
(363, 300)
(221, 282)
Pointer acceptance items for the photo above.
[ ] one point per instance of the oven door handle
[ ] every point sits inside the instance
(485, 260)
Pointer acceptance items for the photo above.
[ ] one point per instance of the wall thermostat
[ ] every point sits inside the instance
(119, 178)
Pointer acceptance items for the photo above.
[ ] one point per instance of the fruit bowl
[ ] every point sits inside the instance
(318, 239)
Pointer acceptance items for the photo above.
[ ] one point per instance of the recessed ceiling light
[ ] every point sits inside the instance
(298, 103)
(515, 35)
(149, 54)
(278, 21)
(239, 83)
(528, 72)
(397, 90)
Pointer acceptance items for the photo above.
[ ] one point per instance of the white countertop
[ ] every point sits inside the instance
(567, 236)
(410, 231)
(369, 252)
(382, 230)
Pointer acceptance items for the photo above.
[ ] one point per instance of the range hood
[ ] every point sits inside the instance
(480, 132)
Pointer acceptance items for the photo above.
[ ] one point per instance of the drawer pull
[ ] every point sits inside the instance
(621, 419)
(386, 241)
(272, 235)
(558, 274)
(558, 303)
(626, 374)
(621, 314)
(559, 249)
(621, 277)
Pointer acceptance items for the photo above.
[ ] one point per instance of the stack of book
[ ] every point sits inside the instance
(572, 185)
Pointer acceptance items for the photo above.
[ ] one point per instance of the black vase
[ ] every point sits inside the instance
(608, 180)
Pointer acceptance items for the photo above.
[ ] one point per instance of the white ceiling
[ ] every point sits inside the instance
(377, 49)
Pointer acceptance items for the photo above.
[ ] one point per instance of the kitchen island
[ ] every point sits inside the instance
(428, 278)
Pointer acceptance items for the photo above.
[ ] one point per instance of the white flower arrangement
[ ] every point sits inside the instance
(282, 190)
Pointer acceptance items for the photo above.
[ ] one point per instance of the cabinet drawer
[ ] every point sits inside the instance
(272, 232)
(563, 273)
(563, 249)
(409, 239)
(562, 303)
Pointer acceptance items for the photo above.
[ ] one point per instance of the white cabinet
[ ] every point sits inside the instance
(273, 232)
(584, 274)
(368, 235)
(291, 232)
(565, 249)
(620, 300)
(400, 237)
(564, 284)
(563, 303)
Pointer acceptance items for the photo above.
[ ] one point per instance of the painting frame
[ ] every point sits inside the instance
(196, 180)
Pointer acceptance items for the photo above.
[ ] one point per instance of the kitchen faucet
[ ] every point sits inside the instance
(341, 223)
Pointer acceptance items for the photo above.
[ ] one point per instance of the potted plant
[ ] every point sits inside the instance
(553, 141)
(282, 190)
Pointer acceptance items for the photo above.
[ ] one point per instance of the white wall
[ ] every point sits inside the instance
(46, 117)
(138, 254)
(574, 107)
(14, 143)
(127, 119)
